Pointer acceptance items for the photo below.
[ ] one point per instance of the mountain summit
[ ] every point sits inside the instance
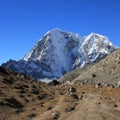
(59, 52)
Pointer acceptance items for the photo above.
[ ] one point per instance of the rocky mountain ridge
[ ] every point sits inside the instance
(105, 71)
(59, 52)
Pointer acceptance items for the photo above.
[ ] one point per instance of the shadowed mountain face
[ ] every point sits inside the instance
(106, 70)
(59, 52)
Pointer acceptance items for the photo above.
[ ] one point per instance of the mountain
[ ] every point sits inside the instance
(106, 71)
(59, 52)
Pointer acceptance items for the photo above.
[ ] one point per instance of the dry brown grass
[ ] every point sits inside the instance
(42, 101)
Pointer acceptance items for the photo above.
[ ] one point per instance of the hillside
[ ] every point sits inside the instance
(106, 70)
(20, 96)
(23, 98)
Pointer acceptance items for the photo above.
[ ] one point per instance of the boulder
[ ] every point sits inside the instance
(72, 89)
(54, 83)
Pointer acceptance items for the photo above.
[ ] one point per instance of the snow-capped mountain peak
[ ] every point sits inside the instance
(59, 51)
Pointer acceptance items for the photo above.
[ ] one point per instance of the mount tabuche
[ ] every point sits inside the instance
(59, 52)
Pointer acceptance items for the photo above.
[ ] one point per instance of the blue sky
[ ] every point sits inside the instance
(24, 22)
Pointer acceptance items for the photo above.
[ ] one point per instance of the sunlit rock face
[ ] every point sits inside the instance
(59, 52)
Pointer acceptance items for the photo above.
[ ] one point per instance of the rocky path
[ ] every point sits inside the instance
(90, 107)
(48, 115)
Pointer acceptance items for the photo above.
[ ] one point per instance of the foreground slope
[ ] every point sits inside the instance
(106, 70)
(22, 98)
(91, 104)
(59, 52)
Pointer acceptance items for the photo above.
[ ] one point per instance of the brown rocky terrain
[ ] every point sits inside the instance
(92, 104)
(22, 97)
(106, 71)
(92, 94)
